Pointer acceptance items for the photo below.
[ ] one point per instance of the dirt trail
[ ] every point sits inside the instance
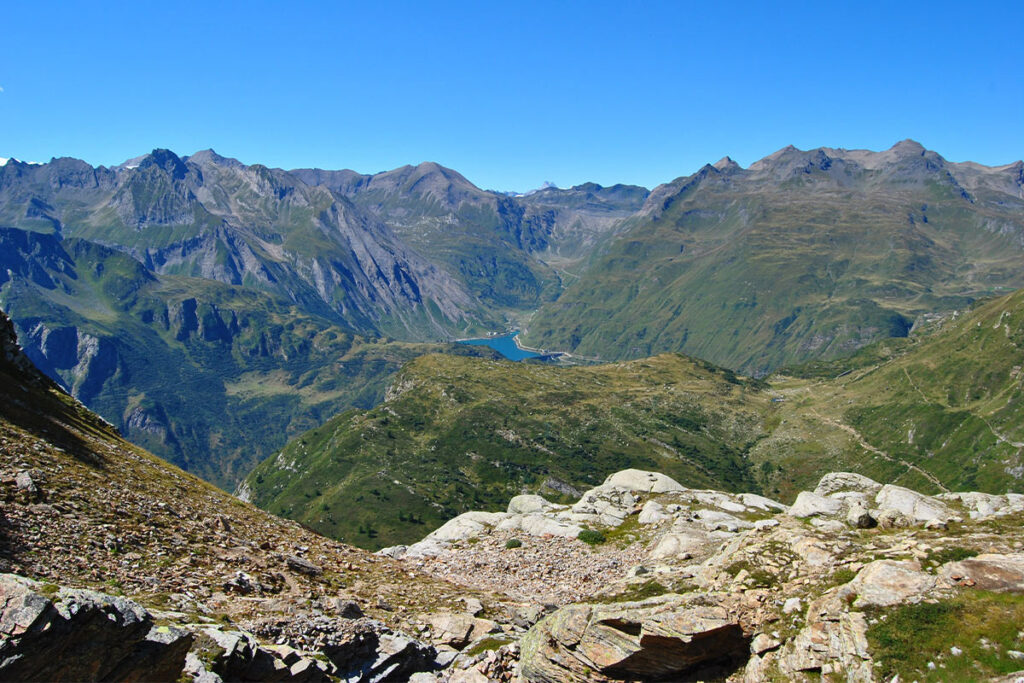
(880, 453)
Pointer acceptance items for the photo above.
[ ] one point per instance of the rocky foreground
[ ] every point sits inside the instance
(682, 584)
(115, 566)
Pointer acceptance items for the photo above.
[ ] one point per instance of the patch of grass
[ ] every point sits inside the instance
(49, 589)
(485, 645)
(983, 624)
(513, 543)
(839, 577)
(937, 558)
(592, 537)
(641, 591)
(757, 578)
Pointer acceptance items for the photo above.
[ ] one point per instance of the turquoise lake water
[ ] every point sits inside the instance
(505, 345)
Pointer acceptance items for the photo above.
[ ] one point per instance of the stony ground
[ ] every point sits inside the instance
(550, 570)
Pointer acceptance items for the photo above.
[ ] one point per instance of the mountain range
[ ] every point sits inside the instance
(805, 254)
(212, 310)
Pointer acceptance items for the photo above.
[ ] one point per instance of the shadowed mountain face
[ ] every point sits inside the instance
(214, 218)
(803, 255)
(210, 376)
(510, 251)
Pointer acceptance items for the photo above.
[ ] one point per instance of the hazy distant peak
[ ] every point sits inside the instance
(208, 156)
(546, 185)
(131, 163)
(773, 158)
(908, 147)
(726, 164)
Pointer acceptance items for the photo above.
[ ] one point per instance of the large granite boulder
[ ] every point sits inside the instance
(642, 481)
(917, 507)
(809, 504)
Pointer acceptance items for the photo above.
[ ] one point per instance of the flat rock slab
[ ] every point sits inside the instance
(994, 572)
(884, 583)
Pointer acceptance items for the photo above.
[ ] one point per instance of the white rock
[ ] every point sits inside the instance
(858, 516)
(466, 525)
(652, 513)
(884, 583)
(526, 504)
(643, 481)
(809, 504)
(679, 544)
(605, 504)
(917, 507)
(752, 500)
(713, 519)
(765, 524)
(979, 505)
(539, 525)
(836, 482)
(716, 499)
(831, 526)
(791, 605)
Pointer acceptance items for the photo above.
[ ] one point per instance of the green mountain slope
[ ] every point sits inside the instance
(211, 376)
(459, 433)
(941, 409)
(803, 255)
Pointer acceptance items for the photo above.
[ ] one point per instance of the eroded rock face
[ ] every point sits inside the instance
(82, 635)
(809, 504)
(889, 582)
(653, 640)
(842, 482)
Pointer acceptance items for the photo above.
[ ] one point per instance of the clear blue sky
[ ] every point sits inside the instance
(510, 94)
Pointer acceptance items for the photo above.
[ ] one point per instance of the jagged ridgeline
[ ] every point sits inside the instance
(802, 255)
(940, 410)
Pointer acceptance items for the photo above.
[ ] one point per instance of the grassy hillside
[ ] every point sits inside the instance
(459, 433)
(940, 410)
(949, 402)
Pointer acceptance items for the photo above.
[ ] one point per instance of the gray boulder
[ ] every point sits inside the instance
(642, 481)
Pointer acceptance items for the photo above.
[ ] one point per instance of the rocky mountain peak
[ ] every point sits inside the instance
(908, 147)
(208, 157)
(726, 164)
(166, 160)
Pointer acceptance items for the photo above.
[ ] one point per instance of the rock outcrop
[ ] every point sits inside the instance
(663, 639)
(77, 635)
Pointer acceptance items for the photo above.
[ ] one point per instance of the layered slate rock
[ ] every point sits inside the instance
(653, 640)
